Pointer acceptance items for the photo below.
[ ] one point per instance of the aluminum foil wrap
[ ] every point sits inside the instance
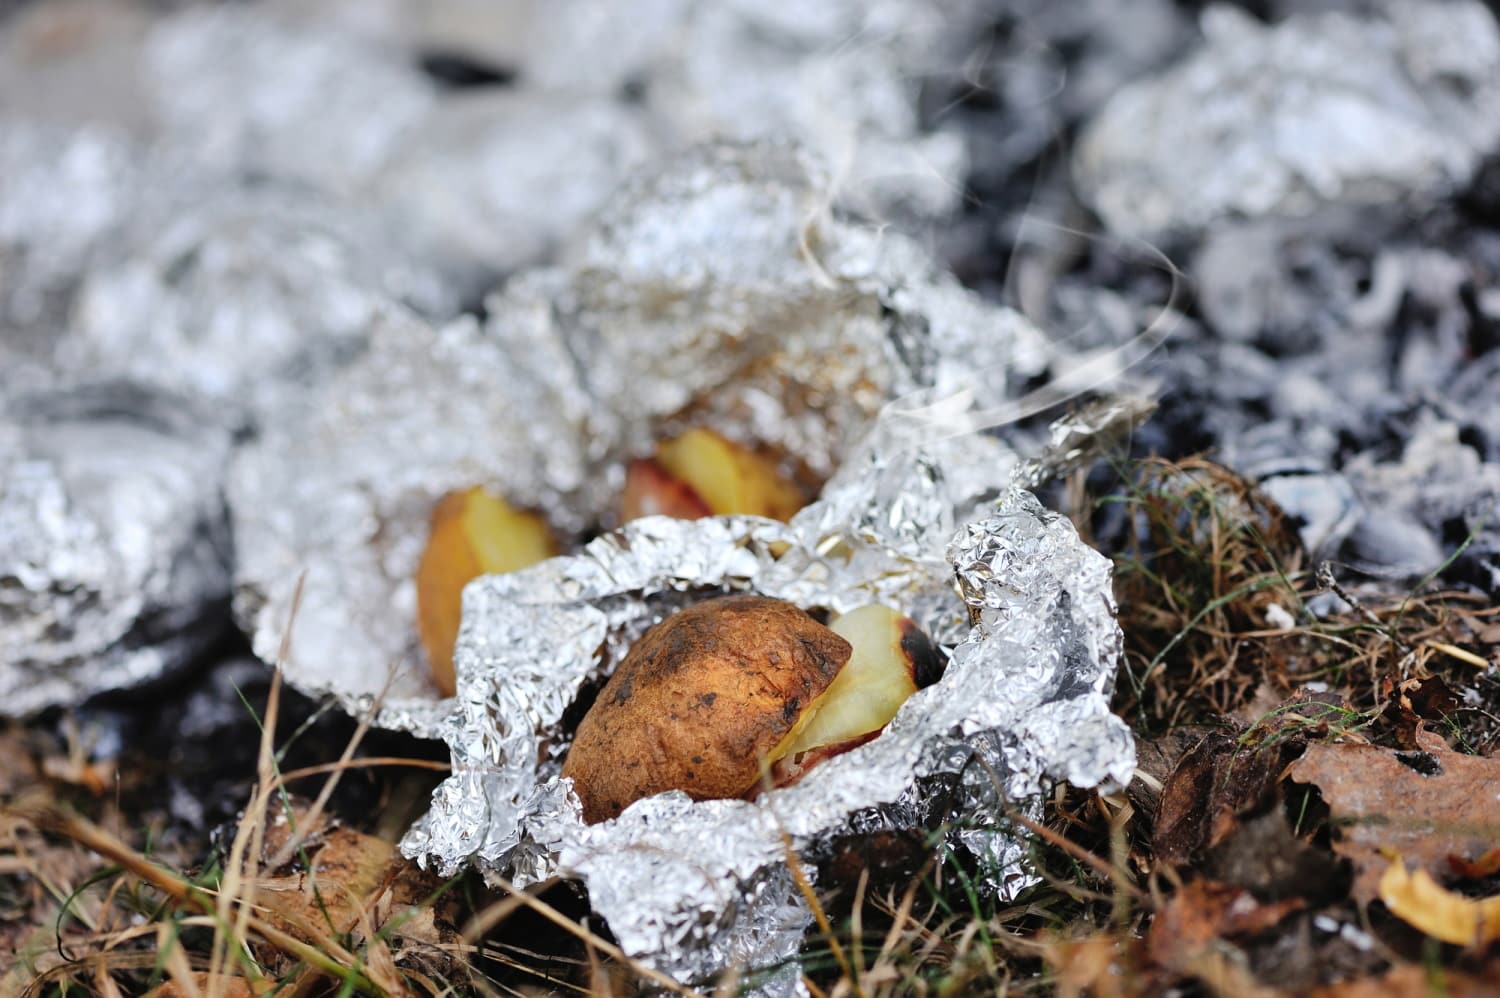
(694, 887)
(61, 190)
(343, 491)
(1276, 120)
(114, 553)
(251, 294)
(717, 294)
(251, 92)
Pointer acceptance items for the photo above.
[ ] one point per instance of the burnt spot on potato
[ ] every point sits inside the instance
(699, 701)
(927, 662)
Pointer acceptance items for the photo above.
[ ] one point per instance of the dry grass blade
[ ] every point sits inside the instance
(518, 898)
(327, 956)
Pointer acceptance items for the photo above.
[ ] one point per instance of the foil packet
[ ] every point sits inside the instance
(248, 294)
(61, 191)
(114, 549)
(718, 294)
(1021, 605)
(1280, 119)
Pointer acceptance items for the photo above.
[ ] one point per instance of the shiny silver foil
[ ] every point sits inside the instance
(114, 553)
(251, 92)
(251, 294)
(489, 182)
(694, 887)
(718, 293)
(841, 78)
(61, 191)
(1278, 119)
(341, 491)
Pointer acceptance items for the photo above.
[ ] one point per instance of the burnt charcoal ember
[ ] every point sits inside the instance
(1276, 120)
(114, 551)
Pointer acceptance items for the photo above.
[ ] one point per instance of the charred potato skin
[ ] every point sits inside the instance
(700, 701)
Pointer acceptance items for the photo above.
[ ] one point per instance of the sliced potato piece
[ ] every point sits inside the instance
(651, 490)
(474, 533)
(700, 473)
(891, 659)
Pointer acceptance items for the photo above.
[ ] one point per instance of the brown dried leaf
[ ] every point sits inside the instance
(1194, 919)
(1223, 779)
(346, 871)
(1415, 898)
(1090, 966)
(1485, 866)
(1428, 804)
(224, 985)
(1415, 981)
(1416, 700)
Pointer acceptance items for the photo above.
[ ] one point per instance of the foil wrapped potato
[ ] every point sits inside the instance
(738, 693)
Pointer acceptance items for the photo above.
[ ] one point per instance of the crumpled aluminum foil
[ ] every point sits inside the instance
(715, 291)
(841, 78)
(251, 294)
(61, 191)
(1276, 120)
(250, 92)
(490, 182)
(114, 553)
(715, 294)
(694, 887)
(343, 489)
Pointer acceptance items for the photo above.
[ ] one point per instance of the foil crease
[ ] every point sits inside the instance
(114, 553)
(716, 294)
(1278, 119)
(694, 887)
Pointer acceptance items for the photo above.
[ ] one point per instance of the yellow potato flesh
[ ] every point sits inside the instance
(728, 477)
(868, 690)
(474, 533)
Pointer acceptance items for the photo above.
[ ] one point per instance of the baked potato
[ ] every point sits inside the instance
(737, 693)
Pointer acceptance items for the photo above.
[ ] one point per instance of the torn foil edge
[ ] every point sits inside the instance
(694, 887)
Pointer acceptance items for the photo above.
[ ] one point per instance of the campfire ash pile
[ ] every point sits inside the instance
(276, 277)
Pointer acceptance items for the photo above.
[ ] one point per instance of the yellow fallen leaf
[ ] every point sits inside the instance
(1418, 900)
